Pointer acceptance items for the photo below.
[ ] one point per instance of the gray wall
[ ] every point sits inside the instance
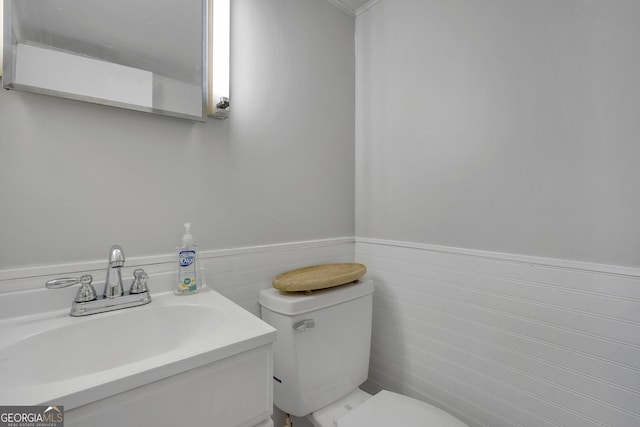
(76, 178)
(501, 125)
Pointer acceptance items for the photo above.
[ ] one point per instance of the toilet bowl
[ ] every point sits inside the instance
(385, 409)
(321, 357)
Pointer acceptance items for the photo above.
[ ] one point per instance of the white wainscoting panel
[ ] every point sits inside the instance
(505, 340)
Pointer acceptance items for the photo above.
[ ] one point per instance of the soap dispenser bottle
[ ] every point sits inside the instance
(187, 264)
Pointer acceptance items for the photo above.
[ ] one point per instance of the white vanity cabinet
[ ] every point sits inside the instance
(233, 392)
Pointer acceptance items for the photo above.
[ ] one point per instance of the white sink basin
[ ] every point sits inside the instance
(93, 344)
(54, 358)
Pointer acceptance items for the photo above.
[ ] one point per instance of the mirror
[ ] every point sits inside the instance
(136, 54)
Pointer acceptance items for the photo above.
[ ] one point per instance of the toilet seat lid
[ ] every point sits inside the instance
(388, 409)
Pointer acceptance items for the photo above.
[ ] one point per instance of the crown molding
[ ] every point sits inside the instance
(348, 10)
(366, 6)
(340, 5)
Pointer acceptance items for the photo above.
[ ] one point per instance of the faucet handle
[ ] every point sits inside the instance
(68, 281)
(139, 284)
(61, 283)
(86, 292)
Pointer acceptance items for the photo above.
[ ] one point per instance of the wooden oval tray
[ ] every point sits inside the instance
(319, 277)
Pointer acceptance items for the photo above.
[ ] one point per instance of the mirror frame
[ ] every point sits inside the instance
(9, 83)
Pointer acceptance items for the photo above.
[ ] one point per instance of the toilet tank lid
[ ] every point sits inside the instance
(293, 303)
(392, 409)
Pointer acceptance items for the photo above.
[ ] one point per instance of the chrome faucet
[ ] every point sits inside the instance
(114, 298)
(113, 284)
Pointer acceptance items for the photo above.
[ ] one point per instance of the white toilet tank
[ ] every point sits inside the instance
(322, 349)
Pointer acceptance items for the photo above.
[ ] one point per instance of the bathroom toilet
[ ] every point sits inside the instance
(321, 357)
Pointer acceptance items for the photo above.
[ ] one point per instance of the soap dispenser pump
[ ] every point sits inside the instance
(188, 282)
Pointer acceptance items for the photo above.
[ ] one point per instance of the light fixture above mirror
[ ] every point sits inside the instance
(219, 20)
